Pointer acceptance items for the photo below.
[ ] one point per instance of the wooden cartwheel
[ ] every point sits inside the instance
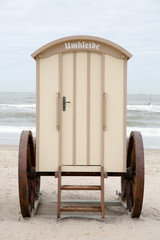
(29, 183)
(132, 183)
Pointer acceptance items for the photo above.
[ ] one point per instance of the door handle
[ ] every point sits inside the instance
(104, 110)
(58, 111)
(64, 103)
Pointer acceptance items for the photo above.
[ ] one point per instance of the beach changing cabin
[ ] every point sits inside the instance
(81, 114)
(81, 105)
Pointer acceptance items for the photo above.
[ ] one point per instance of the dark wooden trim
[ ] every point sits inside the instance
(102, 193)
(59, 193)
(80, 209)
(81, 187)
(87, 174)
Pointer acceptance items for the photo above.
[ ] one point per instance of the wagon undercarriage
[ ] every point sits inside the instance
(132, 182)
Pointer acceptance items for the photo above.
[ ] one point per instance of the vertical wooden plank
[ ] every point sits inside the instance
(59, 193)
(124, 115)
(88, 108)
(60, 113)
(48, 134)
(102, 108)
(74, 108)
(37, 112)
(95, 109)
(114, 87)
(67, 116)
(102, 193)
(81, 108)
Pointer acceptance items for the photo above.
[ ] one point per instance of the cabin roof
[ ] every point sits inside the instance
(57, 44)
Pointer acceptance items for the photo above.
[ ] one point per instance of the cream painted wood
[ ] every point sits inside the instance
(67, 116)
(115, 134)
(81, 168)
(80, 138)
(48, 134)
(95, 109)
(115, 130)
(81, 109)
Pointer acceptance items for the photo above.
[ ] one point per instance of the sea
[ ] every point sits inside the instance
(18, 112)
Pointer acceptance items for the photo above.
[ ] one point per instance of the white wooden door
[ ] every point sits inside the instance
(81, 95)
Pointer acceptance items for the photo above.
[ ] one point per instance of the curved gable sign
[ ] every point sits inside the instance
(81, 43)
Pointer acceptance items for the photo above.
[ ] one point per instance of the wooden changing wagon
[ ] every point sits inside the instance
(81, 124)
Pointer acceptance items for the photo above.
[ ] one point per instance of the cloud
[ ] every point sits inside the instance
(26, 25)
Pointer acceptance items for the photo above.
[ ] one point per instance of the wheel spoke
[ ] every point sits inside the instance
(123, 180)
(32, 195)
(133, 157)
(128, 193)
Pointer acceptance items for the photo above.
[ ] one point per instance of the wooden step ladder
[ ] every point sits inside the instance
(60, 209)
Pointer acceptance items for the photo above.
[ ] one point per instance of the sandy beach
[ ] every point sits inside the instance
(117, 225)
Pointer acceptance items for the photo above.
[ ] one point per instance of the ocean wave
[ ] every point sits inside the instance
(147, 132)
(16, 116)
(32, 107)
(16, 129)
(149, 108)
(22, 105)
(4, 107)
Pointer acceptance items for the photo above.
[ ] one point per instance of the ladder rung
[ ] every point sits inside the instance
(80, 187)
(80, 209)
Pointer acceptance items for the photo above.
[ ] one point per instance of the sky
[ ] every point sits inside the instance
(26, 25)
